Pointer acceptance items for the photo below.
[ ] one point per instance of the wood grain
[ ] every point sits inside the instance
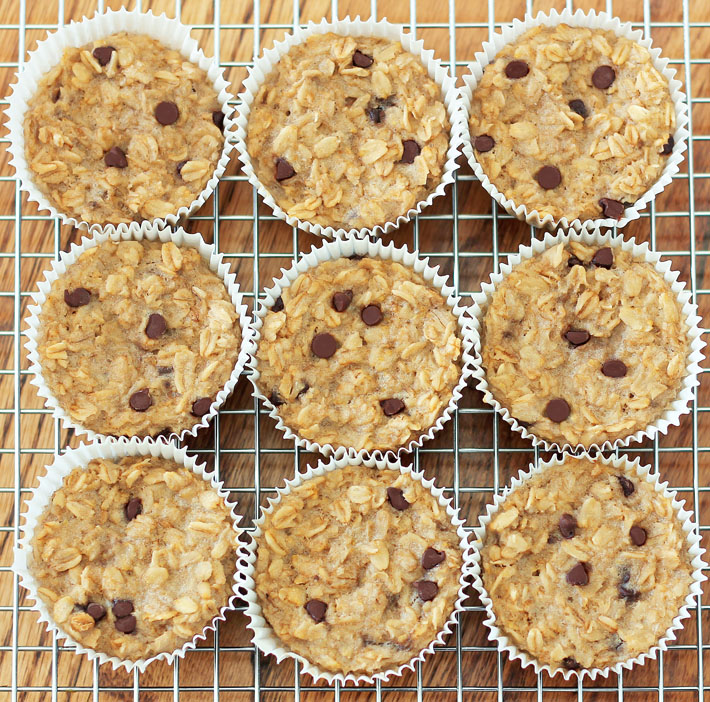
(477, 434)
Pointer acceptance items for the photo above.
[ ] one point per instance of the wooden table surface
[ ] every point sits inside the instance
(484, 456)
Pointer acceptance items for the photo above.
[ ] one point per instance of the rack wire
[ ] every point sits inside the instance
(465, 234)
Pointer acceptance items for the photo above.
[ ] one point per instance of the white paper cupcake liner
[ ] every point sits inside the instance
(695, 552)
(179, 237)
(592, 20)
(686, 393)
(264, 636)
(53, 479)
(356, 28)
(48, 54)
(340, 248)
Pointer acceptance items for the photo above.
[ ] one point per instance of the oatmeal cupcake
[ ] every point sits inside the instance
(122, 129)
(587, 341)
(129, 551)
(138, 337)
(348, 127)
(573, 122)
(587, 566)
(357, 571)
(360, 347)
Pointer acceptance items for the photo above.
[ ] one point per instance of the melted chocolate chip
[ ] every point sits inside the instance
(432, 558)
(577, 337)
(570, 663)
(133, 508)
(371, 315)
(278, 304)
(568, 525)
(603, 77)
(362, 60)
(140, 401)
(96, 611)
(275, 399)
(396, 498)
(638, 535)
(604, 258)
(126, 625)
(56, 94)
(668, 146)
(156, 326)
(410, 150)
(614, 368)
(612, 208)
(122, 608)
(77, 297)
(548, 177)
(578, 574)
(102, 54)
(426, 589)
(573, 261)
(557, 410)
(628, 593)
(284, 170)
(303, 391)
(626, 485)
(376, 114)
(167, 113)
(115, 158)
(392, 406)
(165, 370)
(218, 119)
(484, 143)
(201, 406)
(517, 69)
(341, 300)
(579, 107)
(316, 609)
(324, 345)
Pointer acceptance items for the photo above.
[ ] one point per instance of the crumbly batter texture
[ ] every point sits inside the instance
(584, 104)
(137, 338)
(390, 364)
(135, 557)
(584, 344)
(586, 565)
(124, 135)
(348, 132)
(358, 569)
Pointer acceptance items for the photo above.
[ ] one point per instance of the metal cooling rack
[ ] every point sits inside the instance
(54, 686)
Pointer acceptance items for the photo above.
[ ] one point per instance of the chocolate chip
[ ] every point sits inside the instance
(567, 524)
(611, 208)
(410, 150)
(484, 143)
(577, 337)
(179, 165)
(102, 54)
(96, 611)
(668, 146)
(392, 406)
(362, 60)
(140, 401)
(396, 498)
(218, 119)
(517, 69)
(126, 625)
(316, 609)
(341, 300)
(133, 508)
(579, 107)
(603, 77)
(626, 485)
(77, 297)
(284, 170)
(557, 410)
(165, 370)
(324, 345)
(56, 94)
(278, 304)
(167, 113)
(628, 593)
(432, 558)
(376, 114)
(115, 158)
(548, 177)
(578, 575)
(156, 326)
(638, 535)
(570, 663)
(614, 368)
(427, 589)
(604, 258)
(122, 608)
(356, 257)
(201, 406)
(275, 399)
(371, 315)
(574, 261)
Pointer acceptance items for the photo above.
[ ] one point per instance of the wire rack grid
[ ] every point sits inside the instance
(474, 457)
